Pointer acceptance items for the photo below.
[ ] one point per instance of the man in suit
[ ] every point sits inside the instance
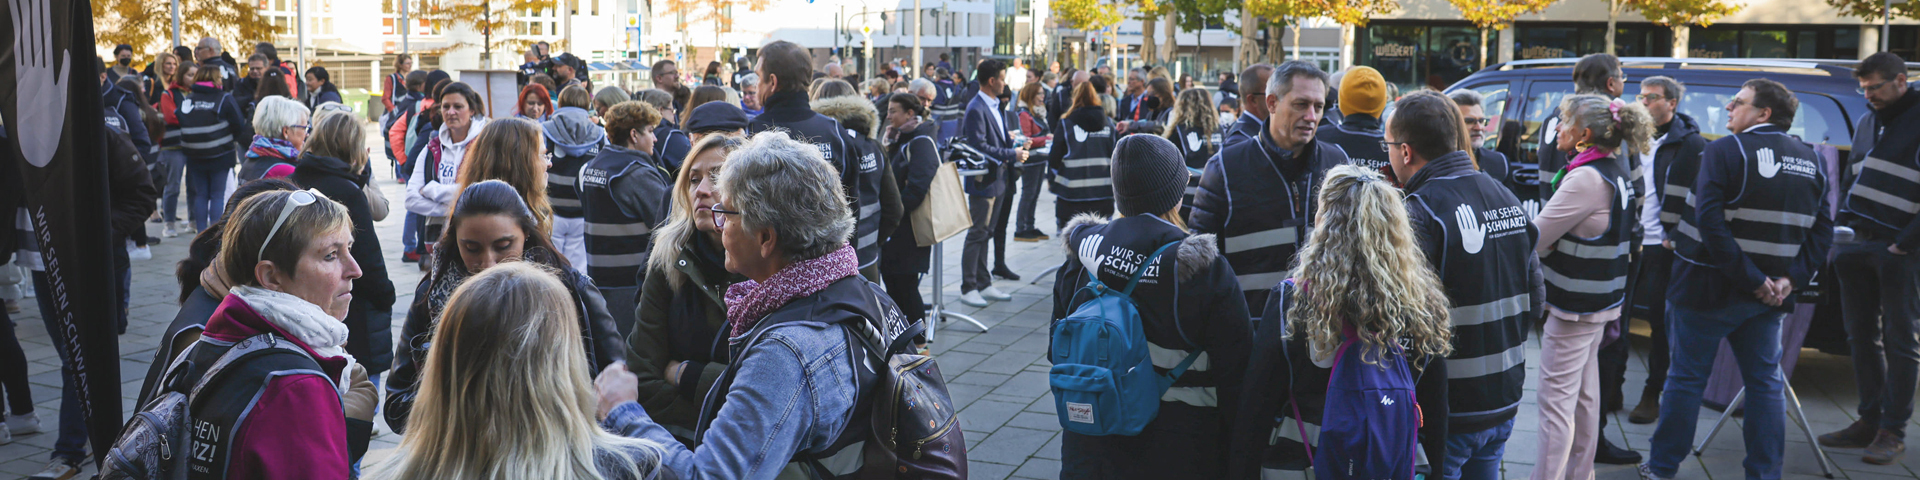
(985, 128)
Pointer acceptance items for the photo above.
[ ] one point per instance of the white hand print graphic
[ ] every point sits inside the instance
(1769, 166)
(1079, 134)
(1625, 194)
(41, 103)
(1472, 235)
(1089, 251)
(1532, 207)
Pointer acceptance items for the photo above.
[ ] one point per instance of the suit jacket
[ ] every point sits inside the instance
(980, 131)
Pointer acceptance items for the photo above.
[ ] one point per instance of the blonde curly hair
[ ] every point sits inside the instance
(1361, 266)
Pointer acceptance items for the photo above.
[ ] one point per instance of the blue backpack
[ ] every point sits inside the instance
(1103, 378)
(1370, 425)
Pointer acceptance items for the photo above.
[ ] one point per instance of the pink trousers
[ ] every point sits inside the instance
(1569, 398)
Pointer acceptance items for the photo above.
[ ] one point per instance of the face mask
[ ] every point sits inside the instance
(126, 62)
(1226, 118)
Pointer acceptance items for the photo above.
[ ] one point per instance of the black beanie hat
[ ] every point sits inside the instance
(1149, 175)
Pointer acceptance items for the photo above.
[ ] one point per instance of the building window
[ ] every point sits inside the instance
(1412, 56)
(1842, 42)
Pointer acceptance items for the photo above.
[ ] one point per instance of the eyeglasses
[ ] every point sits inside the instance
(1874, 87)
(298, 199)
(720, 217)
(307, 128)
(1650, 97)
(1478, 121)
(1386, 146)
(1735, 104)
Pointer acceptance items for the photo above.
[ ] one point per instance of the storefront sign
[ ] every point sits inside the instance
(1542, 51)
(1395, 50)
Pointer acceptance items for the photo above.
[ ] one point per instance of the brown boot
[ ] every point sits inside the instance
(1886, 448)
(1646, 412)
(1858, 435)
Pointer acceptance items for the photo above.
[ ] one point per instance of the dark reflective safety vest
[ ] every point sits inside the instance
(1197, 148)
(563, 189)
(204, 132)
(1773, 211)
(1361, 145)
(618, 242)
(1587, 275)
(1484, 268)
(865, 198)
(1886, 185)
(1676, 201)
(1086, 173)
(1268, 213)
(219, 410)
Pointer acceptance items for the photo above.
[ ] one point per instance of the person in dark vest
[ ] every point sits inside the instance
(671, 144)
(1473, 111)
(1393, 295)
(1258, 196)
(1363, 97)
(913, 151)
(573, 140)
(1674, 160)
(877, 205)
(1082, 177)
(211, 128)
(1757, 227)
(1478, 241)
(677, 347)
(1253, 106)
(290, 413)
(985, 129)
(126, 104)
(1193, 126)
(1586, 232)
(1877, 273)
(1190, 304)
(785, 69)
(394, 85)
(624, 195)
(785, 224)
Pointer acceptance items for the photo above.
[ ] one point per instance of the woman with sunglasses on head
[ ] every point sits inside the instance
(335, 163)
(302, 406)
(677, 347)
(507, 393)
(490, 225)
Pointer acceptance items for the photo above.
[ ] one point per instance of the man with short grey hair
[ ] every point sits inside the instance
(1473, 111)
(923, 88)
(1262, 215)
(208, 52)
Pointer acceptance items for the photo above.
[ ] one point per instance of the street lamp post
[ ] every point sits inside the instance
(913, 70)
(176, 23)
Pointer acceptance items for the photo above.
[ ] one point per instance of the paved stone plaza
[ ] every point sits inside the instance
(998, 377)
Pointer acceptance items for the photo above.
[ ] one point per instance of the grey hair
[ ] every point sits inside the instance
(749, 80)
(660, 99)
(786, 185)
(1467, 98)
(275, 112)
(919, 86)
(1280, 82)
(1673, 88)
(1631, 126)
(611, 95)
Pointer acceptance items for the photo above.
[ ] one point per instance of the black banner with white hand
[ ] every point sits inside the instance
(50, 98)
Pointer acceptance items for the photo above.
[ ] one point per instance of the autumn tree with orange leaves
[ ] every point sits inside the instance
(147, 25)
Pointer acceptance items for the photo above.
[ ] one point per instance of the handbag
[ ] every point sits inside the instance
(944, 213)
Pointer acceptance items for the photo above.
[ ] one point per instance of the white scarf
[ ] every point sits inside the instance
(300, 318)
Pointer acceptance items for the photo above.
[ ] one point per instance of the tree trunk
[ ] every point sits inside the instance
(1249, 50)
(1296, 40)
(1483, 48)
(1276, 54)
(1613, 16)
(1173, 41)
(1148, 50)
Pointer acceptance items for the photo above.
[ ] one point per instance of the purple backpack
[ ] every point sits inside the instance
(1370, 427)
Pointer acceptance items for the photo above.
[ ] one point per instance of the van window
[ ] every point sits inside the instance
(1543, 99)
(1818, 120)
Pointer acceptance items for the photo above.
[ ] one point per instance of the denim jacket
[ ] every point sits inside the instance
(794, 393)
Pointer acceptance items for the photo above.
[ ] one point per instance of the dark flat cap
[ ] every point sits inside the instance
(716, 117)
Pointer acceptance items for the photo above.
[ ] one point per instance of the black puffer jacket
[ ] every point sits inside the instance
(603, 342)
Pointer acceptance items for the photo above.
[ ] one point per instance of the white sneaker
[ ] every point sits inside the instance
(23, 424)
(973, 299)
(994, 293)
(169, 232)
(57, 470)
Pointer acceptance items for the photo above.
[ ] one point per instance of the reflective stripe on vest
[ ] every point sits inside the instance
(1588, 275)
(1167, 358)
(1086, 172)
(1490, 311)
(1773, 211)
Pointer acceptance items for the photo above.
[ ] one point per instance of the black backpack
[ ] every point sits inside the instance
(154, 444)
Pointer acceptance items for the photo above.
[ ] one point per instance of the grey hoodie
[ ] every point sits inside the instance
(572, 131)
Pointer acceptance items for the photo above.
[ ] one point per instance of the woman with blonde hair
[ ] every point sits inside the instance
(491, 226)
(1585, 232)
(507, 394)
(1195, 128)
(511, 150)
(1359, 285)
(682, 306)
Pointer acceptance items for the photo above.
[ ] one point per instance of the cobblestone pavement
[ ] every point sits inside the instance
(997, 377)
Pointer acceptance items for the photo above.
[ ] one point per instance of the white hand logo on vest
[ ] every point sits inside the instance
(1090, 252)
(41, 102)
(1472, 235)
(1079, 134)
(1532, 207)
(1768, 165)
(1193, 142)
(1626, 195)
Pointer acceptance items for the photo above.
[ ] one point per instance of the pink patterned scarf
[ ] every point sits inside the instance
(748, 301)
